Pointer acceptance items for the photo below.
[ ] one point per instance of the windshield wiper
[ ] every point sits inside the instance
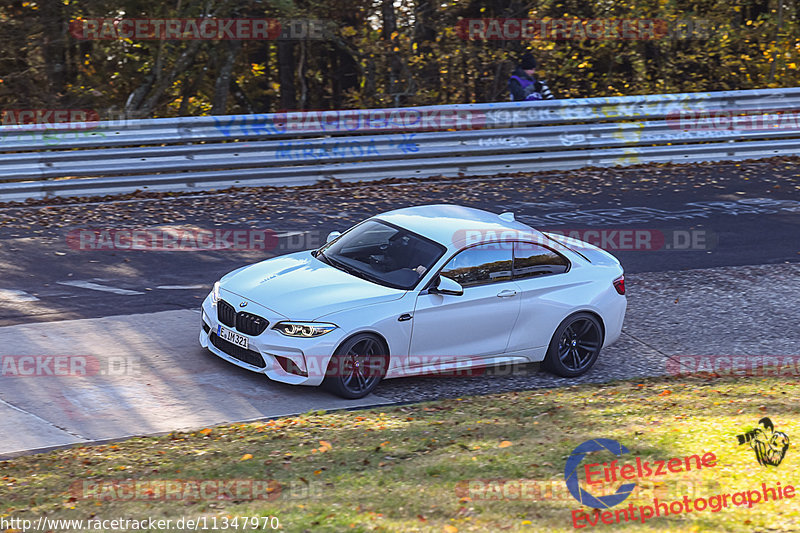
(322, 257)
(352, 270)
(341, 266)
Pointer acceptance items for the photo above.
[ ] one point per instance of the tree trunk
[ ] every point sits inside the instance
(777, 39)
(223, 84)
(261, 53)
(301, 76)
(286, 69)
(424, 35)
(54, 50)
(163, 82)
(345, 70)
(189, 88)
(370, 85)
(137, 96)
(241, 98)
(144, 99)
(393, 87)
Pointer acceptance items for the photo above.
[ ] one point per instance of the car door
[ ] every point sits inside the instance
(547, 293)
(476, 323)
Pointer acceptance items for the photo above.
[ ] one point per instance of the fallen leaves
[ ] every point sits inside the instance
(246, 457)
(324, 446)
(411, 454)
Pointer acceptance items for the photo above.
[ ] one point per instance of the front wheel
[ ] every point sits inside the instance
(357, 367)
(575, 346)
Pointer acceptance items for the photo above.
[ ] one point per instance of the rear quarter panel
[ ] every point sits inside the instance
(548, 300)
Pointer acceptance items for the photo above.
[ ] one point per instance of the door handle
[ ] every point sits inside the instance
(508, 293)
(404, 317)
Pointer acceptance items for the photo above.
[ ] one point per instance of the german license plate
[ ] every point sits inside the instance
(232, 336)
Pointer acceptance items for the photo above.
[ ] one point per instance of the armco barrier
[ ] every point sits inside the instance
(301, 148)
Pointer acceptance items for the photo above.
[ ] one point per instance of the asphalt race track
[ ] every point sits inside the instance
(711, 255)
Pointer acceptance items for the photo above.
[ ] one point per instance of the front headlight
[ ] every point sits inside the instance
(304, 329)
(215, 293)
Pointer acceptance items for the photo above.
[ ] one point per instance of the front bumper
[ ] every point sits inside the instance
(307, 356)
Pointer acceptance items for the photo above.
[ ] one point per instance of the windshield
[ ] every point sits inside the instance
(382, 253)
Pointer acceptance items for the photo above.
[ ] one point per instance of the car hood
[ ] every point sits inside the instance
(301, 287)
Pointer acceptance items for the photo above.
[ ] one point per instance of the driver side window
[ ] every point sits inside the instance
(479, 265)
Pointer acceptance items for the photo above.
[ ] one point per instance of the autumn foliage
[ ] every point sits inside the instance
(381, 54)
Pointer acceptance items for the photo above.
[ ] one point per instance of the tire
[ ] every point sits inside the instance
(575, 346)
(357, 366)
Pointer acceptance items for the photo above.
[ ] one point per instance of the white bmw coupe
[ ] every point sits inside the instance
(420, 290)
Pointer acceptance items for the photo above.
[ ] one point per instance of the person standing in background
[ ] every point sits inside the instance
(524, 86)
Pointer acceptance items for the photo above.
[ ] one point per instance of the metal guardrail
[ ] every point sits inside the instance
(303, 148)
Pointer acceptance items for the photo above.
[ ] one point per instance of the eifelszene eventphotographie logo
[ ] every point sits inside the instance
(769, 445)
(596, 474)
(572, 478)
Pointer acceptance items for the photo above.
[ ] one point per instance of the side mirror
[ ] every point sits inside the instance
(332, 235)
(447, 286)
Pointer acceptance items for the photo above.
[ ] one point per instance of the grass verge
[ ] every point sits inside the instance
(417, 468)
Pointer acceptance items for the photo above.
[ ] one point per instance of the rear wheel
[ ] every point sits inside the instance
(575, 346)
(357, 367)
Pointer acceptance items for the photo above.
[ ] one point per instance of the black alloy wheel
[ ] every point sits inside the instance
(575, 345)
(357, 367)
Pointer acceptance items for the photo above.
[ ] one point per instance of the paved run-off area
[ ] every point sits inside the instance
(149, 375)
(133, 315)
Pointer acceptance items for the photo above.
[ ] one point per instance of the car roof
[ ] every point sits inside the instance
(449, 224)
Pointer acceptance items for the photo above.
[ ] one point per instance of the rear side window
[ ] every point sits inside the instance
(532, 260)
(487, 263)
